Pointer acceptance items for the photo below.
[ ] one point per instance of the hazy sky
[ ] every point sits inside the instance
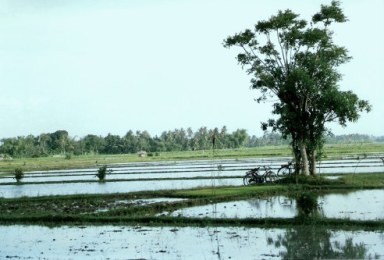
(92, 66)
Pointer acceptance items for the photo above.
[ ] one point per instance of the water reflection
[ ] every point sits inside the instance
(307, 204)
(310, 242)
(135, 242)
(357, 205)
(277, 206)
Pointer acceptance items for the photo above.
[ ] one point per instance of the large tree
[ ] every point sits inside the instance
(294, 63)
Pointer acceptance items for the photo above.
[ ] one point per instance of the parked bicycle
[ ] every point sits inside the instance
(286, 169)
(255, 176)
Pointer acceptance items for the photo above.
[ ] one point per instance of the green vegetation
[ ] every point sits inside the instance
(294, 64)
(102, 173)
(307, 203)
(19, 174)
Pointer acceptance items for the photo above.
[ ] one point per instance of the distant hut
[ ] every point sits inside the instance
(5, 157)
(142, 153)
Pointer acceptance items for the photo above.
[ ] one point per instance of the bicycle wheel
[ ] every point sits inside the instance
(283, 171)
(270, 176)
(247, 179)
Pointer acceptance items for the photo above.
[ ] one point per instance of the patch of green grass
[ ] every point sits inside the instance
(374, 180)
(242, 191)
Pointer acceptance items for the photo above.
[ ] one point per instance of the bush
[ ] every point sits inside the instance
(307, 203)
(19, 174)
(102, 172)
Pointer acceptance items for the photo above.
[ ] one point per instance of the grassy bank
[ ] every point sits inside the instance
(358, 150)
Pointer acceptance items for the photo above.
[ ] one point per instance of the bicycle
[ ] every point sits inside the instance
(286, 169)
(254, 176)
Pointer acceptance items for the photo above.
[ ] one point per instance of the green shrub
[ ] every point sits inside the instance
(102, 172)
(19, 174)
(307, 203)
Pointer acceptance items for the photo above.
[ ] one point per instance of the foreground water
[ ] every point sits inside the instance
(357, 205)
(113, 242)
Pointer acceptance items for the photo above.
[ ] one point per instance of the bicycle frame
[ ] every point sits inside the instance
(254, 176)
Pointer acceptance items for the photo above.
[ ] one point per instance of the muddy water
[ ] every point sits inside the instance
(278, 206)
(357, 205)
(33, 190)
(188, 169)
(140, 176)
(113, 242)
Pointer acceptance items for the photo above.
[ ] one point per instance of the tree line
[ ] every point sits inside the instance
(60, 142)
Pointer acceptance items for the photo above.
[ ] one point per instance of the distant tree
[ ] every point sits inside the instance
(201, 139)
(58, 141)
(293, 62)
(130, 142)
(113, 144)
(43, 142)
(239, 137)
(93, 143)
(143, 140)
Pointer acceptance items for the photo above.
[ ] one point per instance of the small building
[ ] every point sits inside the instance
(142, 153)
(5, 157)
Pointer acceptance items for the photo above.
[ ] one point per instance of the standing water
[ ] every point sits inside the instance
(113, 242)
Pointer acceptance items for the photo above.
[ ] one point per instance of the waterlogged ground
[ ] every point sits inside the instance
(273, 207)
(357, 205)
(33, 190)
(114, 242)
(135, 242)
(162, 175)
(190, 169)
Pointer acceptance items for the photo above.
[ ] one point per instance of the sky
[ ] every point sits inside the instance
(99, 67)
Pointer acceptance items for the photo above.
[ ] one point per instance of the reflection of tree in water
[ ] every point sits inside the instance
(309, 242)
(268, 202)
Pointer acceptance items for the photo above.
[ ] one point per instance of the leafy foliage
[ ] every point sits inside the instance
(102, 172)
(177, 140)
(296, 62)
(19, 174)
(307, 203)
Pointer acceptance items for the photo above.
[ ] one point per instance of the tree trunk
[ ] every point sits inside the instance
(313, 163)
(304, 159)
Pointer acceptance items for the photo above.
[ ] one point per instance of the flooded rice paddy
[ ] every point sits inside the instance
(356, 205)
(130, 177)
(128, 242)
(34, 190)
(140, 242)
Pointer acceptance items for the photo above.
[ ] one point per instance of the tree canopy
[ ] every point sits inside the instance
(294, 63)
